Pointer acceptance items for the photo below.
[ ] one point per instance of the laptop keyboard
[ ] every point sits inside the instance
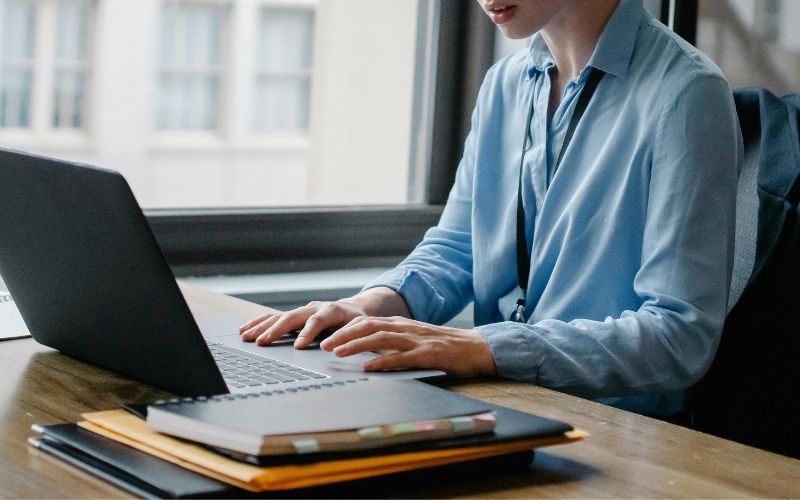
(241, 369)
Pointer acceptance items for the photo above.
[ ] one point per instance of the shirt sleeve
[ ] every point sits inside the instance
(436, 278)
(683, 277)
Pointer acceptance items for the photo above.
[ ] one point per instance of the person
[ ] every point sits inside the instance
(628, 236)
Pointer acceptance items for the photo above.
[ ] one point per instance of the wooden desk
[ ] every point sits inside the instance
(627, 455)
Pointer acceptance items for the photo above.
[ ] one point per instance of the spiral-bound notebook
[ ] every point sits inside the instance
(321, 417)
(11, 324)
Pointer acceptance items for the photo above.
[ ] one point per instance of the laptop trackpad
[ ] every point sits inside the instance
(311, 358)
(219, 326)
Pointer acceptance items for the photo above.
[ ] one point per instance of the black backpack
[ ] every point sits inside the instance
(751, 393)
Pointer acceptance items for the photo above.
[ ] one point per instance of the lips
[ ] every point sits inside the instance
(501, 13)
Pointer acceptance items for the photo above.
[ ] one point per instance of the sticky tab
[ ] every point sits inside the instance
(306, 446)
(426, 427)
(370, 433)
(403, 429)
(462, 424)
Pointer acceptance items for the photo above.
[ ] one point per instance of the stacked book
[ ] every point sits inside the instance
(283, 439)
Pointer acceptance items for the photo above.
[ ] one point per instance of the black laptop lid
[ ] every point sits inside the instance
(89, 279)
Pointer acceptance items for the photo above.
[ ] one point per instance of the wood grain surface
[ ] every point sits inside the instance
(627, 455)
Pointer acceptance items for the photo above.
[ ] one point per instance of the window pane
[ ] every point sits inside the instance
(285, 39)
(188, 101)
(190, 57)
(755, 42)
(231, 103)
(18, 29)
(72, 25)
(282, 104)
(68, 96)
(283, 81)
(16, 59)
(15, 97)
(70, 76)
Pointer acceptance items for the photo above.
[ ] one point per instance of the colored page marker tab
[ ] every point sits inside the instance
(370, 433)
(403, 429)
(306, 446)
(462, 424)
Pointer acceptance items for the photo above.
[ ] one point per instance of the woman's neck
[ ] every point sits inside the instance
(573, 34)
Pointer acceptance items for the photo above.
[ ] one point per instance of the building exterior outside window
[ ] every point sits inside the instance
(71, 66)
(45, 54)
(226, 103)
(756, 43)
(283, 69)
(192, 35)
(17, 52)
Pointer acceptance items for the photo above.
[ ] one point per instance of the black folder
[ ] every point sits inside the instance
(132, 470)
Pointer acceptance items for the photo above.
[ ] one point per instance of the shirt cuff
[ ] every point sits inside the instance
(422, 299)
(512, 349)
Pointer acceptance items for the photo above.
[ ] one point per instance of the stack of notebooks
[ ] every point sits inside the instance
(320, 434)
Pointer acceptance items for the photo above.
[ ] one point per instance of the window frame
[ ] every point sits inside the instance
(681, 17)
(296, 75)
(248, 241)
(220, 71)
(45, 65)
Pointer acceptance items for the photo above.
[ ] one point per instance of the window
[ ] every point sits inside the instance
(283, 74)
(755, 42)
(228, 103)
(192, 37)
(19, 18)
(71, 63)
(268, 118)
(45, 65)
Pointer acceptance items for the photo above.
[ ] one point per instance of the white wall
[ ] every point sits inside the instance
(362, 101)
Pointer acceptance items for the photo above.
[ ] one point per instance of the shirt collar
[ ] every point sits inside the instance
(614, 48)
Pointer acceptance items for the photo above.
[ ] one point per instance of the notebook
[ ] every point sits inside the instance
(516, 432)
(147, 476)
(358, 414)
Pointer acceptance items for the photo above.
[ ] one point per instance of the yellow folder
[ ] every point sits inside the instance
(125, 428)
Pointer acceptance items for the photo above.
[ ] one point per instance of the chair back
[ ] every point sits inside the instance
(751, 393)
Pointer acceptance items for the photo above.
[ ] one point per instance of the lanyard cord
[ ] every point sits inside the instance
(523, 254)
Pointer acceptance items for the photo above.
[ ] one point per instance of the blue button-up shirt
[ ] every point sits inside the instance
(631, 239)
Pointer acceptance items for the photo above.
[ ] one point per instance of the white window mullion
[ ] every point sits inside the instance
(285, 61)
(42, 102)
(240, 63)
(192, 67)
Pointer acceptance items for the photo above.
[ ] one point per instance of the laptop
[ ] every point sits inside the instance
(90, 280)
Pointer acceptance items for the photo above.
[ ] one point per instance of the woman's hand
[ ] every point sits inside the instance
(463, 353)
(315, 317)
(310, 319)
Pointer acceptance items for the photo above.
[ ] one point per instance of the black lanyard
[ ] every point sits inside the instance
(523, 255)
